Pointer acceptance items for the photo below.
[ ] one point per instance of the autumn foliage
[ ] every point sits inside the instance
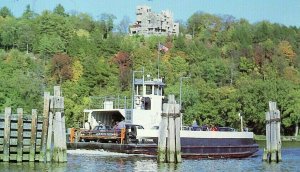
(61, 67)
(123, 60)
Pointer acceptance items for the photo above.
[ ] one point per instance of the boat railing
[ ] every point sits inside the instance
(110, 102)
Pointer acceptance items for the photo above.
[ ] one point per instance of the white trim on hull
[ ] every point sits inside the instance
(197, 134)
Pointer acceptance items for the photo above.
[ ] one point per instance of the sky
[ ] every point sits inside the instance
(286, 12)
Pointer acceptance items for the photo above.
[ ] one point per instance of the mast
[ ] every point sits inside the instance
(158, 56)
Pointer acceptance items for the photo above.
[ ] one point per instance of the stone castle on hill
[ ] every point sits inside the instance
(149, 23)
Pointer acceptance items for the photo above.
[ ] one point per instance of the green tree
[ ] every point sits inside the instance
(60, 10)
(205, 26)
(48, 45)
(54, 25)
(26, 35)
(8, 33)
(83, 21)
(28, 13)
(20, 82)
(5, 12)
(107, 23)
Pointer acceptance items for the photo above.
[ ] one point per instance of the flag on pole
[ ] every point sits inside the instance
(163, 48)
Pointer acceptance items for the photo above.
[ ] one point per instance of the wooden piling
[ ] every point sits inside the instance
(171, 141)
(33, 135)
(6, 138)
(57, 150)
(277, 116)
(272, 152)
(32, 139)
(162, 139)
(49, 152)
(169, 151)
(20, 135)
(45, 127)
(273, 138)
(64, 138)
(60, 146)
(266, 153)
(177, 139)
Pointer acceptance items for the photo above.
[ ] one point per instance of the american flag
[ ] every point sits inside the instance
(162, 48)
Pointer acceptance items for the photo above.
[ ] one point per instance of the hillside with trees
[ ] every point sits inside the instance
(234, 66)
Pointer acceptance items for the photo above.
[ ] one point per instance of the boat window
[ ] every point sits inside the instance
(146, 103)
(140, 88)
(148, 89)
(156, 90)
(136, 90)
(128, 116)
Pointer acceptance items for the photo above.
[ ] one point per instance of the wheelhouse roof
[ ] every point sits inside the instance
(149, 82)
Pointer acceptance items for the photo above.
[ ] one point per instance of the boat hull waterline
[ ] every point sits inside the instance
(219, 148)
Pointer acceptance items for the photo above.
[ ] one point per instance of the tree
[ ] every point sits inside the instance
(294, 109)
(26, 35)
(205, 26)
(60, 10)
(83, 21)
(262, 31)
(28, 13)
(61, 68)
(285, 49)
(179, 42)
(107, 22)
(81, 47)
(5, 12)
(77, 70)
(124, 25)
(54, 25)
(20, 81)
(242, 33)
(8, 33)
(123, 60)
(49, 45)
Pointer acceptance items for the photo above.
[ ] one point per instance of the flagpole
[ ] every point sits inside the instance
(158, 54)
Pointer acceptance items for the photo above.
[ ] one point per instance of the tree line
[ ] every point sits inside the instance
(231, 66)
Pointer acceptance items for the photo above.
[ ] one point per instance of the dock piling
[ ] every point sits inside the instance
(33, 136)
(45, 127)
(6, 137)
(272, 152)
(169, 149)
(162, 140)
(20, 135)
(29, 138)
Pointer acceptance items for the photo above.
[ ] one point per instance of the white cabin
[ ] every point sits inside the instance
(145, 110)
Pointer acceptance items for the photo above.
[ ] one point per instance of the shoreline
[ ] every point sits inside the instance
(283, 138)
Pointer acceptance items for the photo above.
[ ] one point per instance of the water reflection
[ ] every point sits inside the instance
(94, 161)
(168, 167)
(29, 167)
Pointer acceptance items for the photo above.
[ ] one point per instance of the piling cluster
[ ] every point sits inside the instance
(169, 147)
(272, 152)
(35, 138)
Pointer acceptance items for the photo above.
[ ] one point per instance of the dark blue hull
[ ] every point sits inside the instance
(190, 147)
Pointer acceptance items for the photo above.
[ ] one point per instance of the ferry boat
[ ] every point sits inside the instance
(146, 108)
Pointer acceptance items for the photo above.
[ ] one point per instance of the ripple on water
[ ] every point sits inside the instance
(99, 160)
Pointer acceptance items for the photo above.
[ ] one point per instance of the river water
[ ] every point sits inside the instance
(99, 160)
